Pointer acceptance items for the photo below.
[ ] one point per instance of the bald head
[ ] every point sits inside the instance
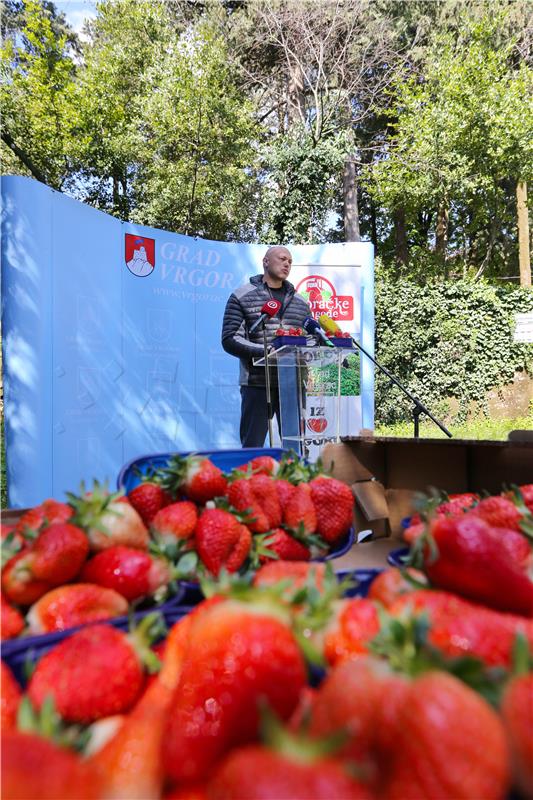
(277, 263)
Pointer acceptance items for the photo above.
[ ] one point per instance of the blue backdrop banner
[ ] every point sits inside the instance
(111, 337)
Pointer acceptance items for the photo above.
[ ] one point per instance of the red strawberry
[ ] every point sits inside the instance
(264, 489)
(392, 583)
(46, 513)
(195, 476)
(517, 713)
(458, 627)
(59, 553)
(18, 582)
(299, 513)
(12, 621)
(10, 695)
(95, 673)
(33, 767)
(526, 490)
(447, 742)
(222, 541)
(333, 502)
(175, 523)
(517, 545)
(285, 547)
(107, 519)
(241, 495)
(147, 499)
(285, 490)
(354, 625)
(225, 675)
(499, 512)
(265, 465)
(472, 562)
(256, 773)
(297, 572)
(76, 604)
(132, 573)
(359, 697)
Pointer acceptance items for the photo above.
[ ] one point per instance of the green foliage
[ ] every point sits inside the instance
(300, 180)
(481, 427)
(37, 81)
(446, 342)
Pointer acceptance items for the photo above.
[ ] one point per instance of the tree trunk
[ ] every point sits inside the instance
(441, 230)
(523, 234)
(401, 248)
(351, 209)
(23, 157)
(373, 226)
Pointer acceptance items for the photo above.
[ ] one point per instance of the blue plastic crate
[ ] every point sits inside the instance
(226, 460)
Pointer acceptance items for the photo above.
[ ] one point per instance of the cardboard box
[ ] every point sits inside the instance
(384, 473)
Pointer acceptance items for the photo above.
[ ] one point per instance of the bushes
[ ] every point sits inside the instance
(449, 343)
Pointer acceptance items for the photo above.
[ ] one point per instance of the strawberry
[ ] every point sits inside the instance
(447, 742)
(265, 491)
(391, 583)
(458, 627)
(285, 490)
(349, 633)
(499, 512)
(471, 561)
(175, 523)
(132, 573)
(297, 573)
(18, 583)
(147, 499)
(265, 465)
(108, 521)
(10, 695)
(299, 513)
(195, 476)
(59, 553)
(242, 497)
(76, 604)
(517, 713)
(12, 621)
(95, 673)
(351, 699)
(526, 492)
(34, 767)
(333, 502)
(48, 512)
(296, 770)
(222, 541)
(236, 654)
(285, 547)
(517, 545)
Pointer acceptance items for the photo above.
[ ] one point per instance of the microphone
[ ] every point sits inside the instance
(270, 309)
(329, 325)
(313, 329)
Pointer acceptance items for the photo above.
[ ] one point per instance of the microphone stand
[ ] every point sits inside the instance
(267, 382)
(419, 408)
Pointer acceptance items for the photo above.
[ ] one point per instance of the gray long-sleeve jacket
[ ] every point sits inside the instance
(242, 310)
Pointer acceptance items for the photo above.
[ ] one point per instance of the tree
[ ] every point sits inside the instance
(38, 70)
(461, 139)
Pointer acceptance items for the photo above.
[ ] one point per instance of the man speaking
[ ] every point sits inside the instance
(242, 336)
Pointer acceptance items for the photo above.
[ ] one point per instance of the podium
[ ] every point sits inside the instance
(309, 382)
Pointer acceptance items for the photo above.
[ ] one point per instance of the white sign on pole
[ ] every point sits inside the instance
(523, 327)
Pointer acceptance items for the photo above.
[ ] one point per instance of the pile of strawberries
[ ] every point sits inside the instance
(230, 714)
(338, 335)
(89, 559)
(290, 332)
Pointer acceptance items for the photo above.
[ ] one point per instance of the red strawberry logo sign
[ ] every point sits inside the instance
(323, 298)
(317, 424)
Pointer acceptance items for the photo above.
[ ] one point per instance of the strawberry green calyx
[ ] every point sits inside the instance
(49, 724)
(404, 643)
(296, 746)
(90, 506)
(142, 636)
(296, 470)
